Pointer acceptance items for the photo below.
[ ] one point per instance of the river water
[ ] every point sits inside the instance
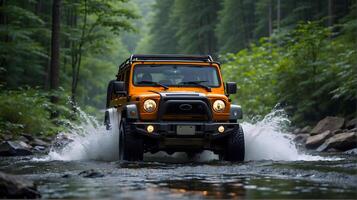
(275, 167)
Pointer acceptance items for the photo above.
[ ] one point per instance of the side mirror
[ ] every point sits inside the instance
(231, 88)
(119, 87)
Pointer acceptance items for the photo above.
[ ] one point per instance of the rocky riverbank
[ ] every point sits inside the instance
(332, 134)
(24, 145)
(15, 187)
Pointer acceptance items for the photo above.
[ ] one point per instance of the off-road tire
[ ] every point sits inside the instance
(130, 145)
(235, 149)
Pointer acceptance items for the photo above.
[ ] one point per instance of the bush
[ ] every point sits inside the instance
(29, 111)
(309, 71)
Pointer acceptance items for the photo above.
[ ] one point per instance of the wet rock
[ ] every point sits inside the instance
(352, 151)
(316, 140)
(91, 174)
(301, 138)
(23, 139)
(15, 148)
(39, 142)
(335, 132)
(328, 124)
(66, 176)
(28, 136)
(352, 123)
(40, 149)
(342, 141)
(16, 187)
(6, 137)
(60, 141)
(297, 131)
(333, 150)
(306, 129)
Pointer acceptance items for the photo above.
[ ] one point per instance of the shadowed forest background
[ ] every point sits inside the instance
(299, 55)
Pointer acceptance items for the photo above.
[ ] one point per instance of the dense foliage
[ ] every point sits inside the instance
(180, 26)
(29, 111)
(297, 54)
(307, 72)
(91, 48)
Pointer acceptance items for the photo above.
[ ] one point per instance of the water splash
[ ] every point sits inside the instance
(267, 140)
(264, 140)
(89, 140)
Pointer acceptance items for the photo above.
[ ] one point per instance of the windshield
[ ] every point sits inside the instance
(176, 75)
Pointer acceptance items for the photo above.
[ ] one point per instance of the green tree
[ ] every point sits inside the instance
(196, 21)
(236, 23)
(253, 69)
(97, 19)
(21, 55)
(162, 32)
(55, 48)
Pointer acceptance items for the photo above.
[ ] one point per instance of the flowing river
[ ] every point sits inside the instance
(275, 167)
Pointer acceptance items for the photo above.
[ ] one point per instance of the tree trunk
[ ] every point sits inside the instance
(270, 19)
(4, 38)
(77, 57)
(2, 15)
(55, 49)
(330, 13)
(278, 14)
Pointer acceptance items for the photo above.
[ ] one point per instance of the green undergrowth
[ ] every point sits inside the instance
(29, 111)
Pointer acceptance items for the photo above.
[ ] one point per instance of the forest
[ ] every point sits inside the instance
(57, 56)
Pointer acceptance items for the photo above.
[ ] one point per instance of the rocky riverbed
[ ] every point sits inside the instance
(162, 179)
(82, 164)
(333, 134)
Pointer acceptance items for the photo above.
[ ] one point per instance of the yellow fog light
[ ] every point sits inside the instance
(150, 128)
(221, 129)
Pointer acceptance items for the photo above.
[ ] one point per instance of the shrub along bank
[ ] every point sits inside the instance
(28, 111)
(309, 71)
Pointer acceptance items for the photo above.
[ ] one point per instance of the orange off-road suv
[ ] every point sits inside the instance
(174, 103)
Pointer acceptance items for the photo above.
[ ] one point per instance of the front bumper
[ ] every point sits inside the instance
(206, 130)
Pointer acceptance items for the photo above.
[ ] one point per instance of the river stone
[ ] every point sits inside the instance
(301, 138)
(342, 141)
(91, 174)
(23, 139)
(16, 187)
(328, 123)
(15, 148)
(28, 136)
(352, 151)
(39, 142)
(296, 131)
(352, 123)
(6, 137)
(316, 140)
(306, 129)
(40, 149)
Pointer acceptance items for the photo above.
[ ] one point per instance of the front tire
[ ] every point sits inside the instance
(235, 149)
(130, 145)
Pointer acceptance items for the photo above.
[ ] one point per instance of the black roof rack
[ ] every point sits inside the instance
(160, 57)
(167, 57)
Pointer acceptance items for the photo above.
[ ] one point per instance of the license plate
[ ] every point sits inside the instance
(185, 130)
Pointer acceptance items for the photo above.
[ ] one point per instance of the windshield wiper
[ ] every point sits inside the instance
(198, 83)
(153, 82)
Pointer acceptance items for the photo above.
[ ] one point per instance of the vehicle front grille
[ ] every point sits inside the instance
(185, 110)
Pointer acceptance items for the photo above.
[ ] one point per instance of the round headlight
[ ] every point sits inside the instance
(149, 105)
(219, 106)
